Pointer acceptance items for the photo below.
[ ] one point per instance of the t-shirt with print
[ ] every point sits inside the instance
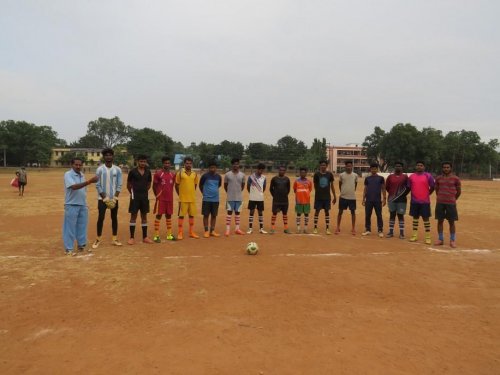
(302, 189)
(256, 185)
(322, 183)
(163, 185)
(397, 187)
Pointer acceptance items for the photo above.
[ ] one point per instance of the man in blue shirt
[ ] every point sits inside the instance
(209, 186)
(75, 207)
(374, 188)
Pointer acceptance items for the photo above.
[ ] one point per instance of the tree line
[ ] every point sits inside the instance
(24, 143)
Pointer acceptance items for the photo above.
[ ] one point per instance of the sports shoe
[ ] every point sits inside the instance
(193, 235)
(157, 239)
(402, 236)
(262, 231)
(214, 234)
(206, 234)
(96, 244)
(81, 248)
(428, 241)
(69, 253)
(381, 234)
(147, 240)
(453, 244)
(227, 233)
(366, 233)
(249, 231)
(413, 238)
(116, 243)
(170, 237)
(328, 231)
(239, 231)
(272, 231)
(315, 231)
(390, 235)
(439, 243)
(286, 231)
(180, 236)
(131, 241)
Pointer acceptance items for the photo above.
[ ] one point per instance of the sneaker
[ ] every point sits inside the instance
(287, 231)
(439, 243)
(131, 241)
(206, 234)
(453, 244)
(413, 238)
(214, 234)
(428, 241)
(402, 236)
(193, 235)
(157, 239)
(337, 231)
(239, 231)
(315, 231)
(262, 231)
(272, 231)
(366, 233)
(96, 244)
(328, 231)
(170, 237)
(81, 248)
(69, 252)
(226, 233)
(381, 234)
(116, 243)
(390, 235)
(298, 230)
(147, 240)
(249, 231)
(180, 236)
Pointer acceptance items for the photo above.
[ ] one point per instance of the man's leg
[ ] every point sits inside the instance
(327, 221)
(250, 220)
(284, 212)
(213, 220)
(380, 222)
(368, 217)
(392, 222)
(132, 224)
(427, 226)
(228, 222)
(414, 235)
(316, 217)
(144, 225)
(114, 224)
(453, 237)
(401, 218)
(440, 228)
(261, 221)
(205, 226)
(81, 227)
(69, 227)
(339, 219)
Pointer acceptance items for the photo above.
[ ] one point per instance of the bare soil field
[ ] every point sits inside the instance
(306, 304)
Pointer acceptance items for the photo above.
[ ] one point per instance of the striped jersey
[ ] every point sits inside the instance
(110, 181)
(256, 186)
(446, 189)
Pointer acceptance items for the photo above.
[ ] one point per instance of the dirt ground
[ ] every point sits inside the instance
(306, 304)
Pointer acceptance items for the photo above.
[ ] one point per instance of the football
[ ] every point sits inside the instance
(252, 248)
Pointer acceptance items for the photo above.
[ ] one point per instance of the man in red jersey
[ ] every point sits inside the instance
(163, 187)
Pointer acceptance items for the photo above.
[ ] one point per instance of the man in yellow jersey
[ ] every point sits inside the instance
(186, 181)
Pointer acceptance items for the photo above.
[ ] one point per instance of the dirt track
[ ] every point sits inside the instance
(307, 304)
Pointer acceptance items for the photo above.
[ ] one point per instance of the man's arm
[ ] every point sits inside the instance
(459, 189)
(384, 194)
(249, 183)
(332, 187)
(119, 180)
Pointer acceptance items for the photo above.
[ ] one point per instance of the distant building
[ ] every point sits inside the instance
(93, 155)
(338, 155)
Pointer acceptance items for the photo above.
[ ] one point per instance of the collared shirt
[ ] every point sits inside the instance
(187, 185)
(76, 197)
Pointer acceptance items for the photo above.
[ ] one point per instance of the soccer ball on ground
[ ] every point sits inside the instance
(252, 248)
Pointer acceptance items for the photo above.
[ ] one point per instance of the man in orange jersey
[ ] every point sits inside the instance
(302, 188)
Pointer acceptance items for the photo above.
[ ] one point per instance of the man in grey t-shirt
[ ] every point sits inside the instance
(348, 181)
(234, 183)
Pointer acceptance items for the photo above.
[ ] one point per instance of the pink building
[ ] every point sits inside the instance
(338, 155)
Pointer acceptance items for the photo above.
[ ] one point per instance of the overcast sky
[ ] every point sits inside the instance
(252, 70)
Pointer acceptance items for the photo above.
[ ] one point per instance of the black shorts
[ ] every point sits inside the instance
(259, 205)
(139, 204)
(209, 208)
(446, 211)
(322, 204)
(277, 207)
(420, 209)
(345, 204)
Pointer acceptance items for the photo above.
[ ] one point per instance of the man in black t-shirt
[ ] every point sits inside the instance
(279, 189)
(138, 184)
(323, 185)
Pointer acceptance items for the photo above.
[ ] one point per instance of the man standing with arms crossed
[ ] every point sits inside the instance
(279, 189)
(448, 190)
(421, 185)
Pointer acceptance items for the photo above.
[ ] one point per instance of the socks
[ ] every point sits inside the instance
(391, 226)
(315, 221)
(427, 226)
(169, 225)
(144, 230)
(237, 221)
(327, 221)
(415, 227)
(250, 221)
(157, 227)
(401, 226)
(191, 224)
(132, 230)
(453, 236)
(261, 221)
(273, 221)
(228, 223)
(285, 221)
(441, 236)
(306, 221)
(180, 223)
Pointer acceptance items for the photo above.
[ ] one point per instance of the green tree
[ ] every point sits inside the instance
(148, 142)
(88, 141)
(230, 149)
(289, 149)
(110, 131)
(259, 151)
(373, 145)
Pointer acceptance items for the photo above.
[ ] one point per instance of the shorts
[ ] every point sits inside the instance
(322, 204)
(233, 206)
(398, 207)
(138, 204)
(277, 207)
(302, 209)
(188, 208)
(345, 204)
(446, 211)
(22, 183)
(259, 205)
(209, 208)
(164, 208)
(420, 209)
